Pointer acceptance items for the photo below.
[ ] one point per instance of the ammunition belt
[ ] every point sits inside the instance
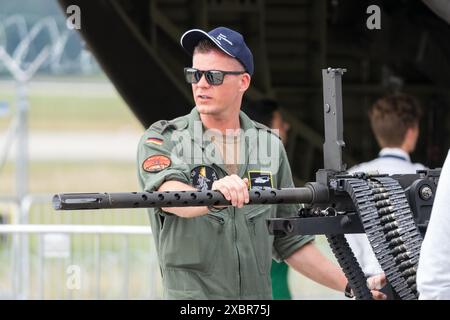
(388, 222)
(349, 264)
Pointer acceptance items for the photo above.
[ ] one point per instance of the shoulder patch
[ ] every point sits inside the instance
(179, 123)
(156, 163)
(160, 126)
(163, 125)
(260, 126)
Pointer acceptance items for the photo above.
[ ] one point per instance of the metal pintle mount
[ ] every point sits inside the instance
(333, 120)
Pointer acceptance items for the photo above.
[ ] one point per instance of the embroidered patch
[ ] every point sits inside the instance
(260, 179)
(203, 177)
(156, 163)
(156, 141)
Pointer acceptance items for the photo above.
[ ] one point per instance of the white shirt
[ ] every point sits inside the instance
(433, 274)
(389, 161)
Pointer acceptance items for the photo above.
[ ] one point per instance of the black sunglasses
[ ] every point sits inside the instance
(213, 77)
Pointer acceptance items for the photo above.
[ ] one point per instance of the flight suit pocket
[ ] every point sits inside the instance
(259, 235)
(190, 243)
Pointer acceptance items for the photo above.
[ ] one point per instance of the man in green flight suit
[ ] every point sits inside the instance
(226, 252)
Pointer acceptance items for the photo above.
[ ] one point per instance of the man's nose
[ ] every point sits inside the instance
(202, 82)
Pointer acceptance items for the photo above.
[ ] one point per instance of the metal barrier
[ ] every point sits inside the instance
(101, 259)
(82, 262)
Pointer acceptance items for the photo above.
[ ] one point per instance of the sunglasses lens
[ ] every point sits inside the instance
(197, 76)
(192, 75)
(214, 77)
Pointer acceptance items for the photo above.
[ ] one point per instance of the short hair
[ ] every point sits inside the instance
(261, 111)
(391, 116)
(206, 45)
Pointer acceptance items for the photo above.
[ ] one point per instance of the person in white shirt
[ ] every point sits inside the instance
(433, 273)
(395, 123)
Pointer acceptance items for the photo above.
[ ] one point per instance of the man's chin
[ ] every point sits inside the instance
(206, 109)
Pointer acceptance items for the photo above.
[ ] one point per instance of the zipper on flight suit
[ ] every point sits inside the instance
(237, 252)
(233, 217)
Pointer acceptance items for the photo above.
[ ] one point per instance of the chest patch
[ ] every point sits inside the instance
(203, 177)
(260, 179)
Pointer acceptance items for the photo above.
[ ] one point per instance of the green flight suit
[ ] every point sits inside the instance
(221, 255)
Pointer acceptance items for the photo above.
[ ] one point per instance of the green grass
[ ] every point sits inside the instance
(76, 113)
(83, 176)
(80, 113)
(72, 104)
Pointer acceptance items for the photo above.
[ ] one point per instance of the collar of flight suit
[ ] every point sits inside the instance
(197, 136)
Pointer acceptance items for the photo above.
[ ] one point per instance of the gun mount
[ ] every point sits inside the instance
(392, 210)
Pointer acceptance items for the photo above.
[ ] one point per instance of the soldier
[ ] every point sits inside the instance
(222, 252)
(395, 123)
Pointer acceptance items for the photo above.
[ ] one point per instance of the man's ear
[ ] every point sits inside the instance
(245, 82)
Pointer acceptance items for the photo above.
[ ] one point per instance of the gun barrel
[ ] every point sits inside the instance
(88, 201)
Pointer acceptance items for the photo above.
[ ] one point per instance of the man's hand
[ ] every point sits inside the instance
(375, 283)
(234, 189)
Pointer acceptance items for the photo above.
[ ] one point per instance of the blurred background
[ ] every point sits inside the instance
(74, 103)
(79, 135)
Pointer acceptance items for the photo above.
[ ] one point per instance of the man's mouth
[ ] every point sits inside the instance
(203, 97)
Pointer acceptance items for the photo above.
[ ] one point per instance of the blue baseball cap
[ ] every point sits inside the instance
(227, 40)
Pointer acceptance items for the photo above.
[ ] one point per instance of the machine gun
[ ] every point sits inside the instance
(392, 210)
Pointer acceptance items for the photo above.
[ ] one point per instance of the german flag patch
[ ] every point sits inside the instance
(156, 141)
(156, 163)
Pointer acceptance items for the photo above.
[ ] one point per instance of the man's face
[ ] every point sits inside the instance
(221, 100)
